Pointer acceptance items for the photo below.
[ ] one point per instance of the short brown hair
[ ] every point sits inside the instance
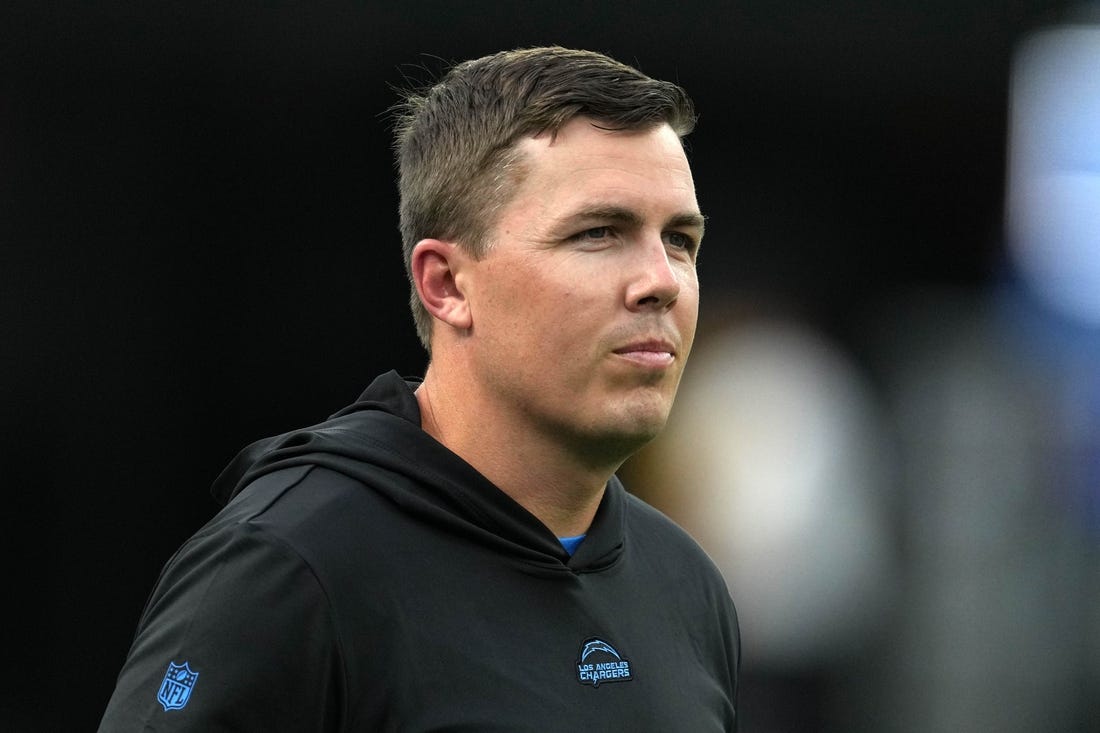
(455, 141)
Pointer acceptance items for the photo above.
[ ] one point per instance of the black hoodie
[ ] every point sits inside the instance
(362, 577)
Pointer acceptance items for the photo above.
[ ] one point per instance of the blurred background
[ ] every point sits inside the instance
(888, 437)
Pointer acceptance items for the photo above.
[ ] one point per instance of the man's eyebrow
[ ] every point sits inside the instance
(629, 217)
(691, 220)
(617, 214)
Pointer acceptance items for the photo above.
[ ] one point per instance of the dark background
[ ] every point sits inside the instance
(198, 241)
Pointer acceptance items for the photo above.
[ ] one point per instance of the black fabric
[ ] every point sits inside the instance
(364, 578)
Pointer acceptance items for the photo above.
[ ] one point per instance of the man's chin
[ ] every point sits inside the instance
(615, 443)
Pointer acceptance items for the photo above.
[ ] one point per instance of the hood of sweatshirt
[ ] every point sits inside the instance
(379, 442)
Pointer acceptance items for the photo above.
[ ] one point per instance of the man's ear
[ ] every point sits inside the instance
(435, 266)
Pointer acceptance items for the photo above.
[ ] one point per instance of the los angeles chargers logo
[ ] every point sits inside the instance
(175, 689)
(600, 663)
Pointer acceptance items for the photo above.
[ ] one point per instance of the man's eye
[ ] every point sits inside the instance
(680, 240)
(593, 233)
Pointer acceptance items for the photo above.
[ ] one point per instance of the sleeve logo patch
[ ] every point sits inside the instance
(600, 663)
(175, 689)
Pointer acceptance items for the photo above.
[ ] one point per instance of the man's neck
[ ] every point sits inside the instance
(559, 488)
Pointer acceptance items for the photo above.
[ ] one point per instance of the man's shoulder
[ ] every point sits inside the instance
(309, 517)
(677, 568)
(299, 486)
(654, 531)
(304, 495)
(299, 506)
(642, 516)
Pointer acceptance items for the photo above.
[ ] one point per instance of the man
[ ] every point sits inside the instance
(455, 553)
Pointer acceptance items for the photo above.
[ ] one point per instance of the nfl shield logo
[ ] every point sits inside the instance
(176, 688)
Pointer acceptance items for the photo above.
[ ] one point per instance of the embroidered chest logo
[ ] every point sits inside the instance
(599, 663)
(175, 690)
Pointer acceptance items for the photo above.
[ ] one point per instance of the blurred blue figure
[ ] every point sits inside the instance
(1053, 231)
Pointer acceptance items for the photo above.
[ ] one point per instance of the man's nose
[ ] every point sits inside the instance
(656, 283)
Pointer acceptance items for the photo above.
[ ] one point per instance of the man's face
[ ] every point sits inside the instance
(584, 306)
